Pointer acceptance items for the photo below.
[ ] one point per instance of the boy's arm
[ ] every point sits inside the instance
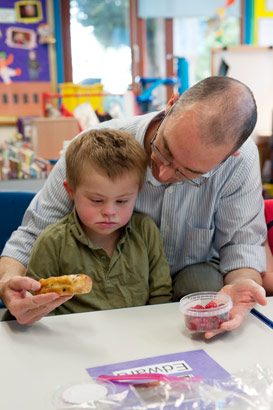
(160, 283)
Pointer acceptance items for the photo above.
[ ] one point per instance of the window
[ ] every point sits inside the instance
(100, 43)
(195, 37)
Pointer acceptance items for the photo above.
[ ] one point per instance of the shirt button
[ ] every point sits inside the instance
(103, 258)
(170, 190)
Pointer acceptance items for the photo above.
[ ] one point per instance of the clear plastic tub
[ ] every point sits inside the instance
(205, 311)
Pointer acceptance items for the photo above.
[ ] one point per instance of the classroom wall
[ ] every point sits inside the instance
(253, 65)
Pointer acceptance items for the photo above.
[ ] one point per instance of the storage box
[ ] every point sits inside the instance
(72, 100)
(49, 134)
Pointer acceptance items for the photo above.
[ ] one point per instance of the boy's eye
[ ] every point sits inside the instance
(96, 201)
(122, 201)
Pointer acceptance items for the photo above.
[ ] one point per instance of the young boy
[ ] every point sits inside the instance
(120, 250)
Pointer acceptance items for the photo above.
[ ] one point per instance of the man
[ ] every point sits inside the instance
(203, 190)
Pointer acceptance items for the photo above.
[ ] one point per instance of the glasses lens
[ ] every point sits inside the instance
(181, 177)
(159, 155)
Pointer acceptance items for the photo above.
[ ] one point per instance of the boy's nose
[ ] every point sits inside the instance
(109, 209)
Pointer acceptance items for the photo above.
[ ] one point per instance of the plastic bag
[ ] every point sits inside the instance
(247, 390)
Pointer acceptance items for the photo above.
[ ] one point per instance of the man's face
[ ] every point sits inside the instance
(183, 153)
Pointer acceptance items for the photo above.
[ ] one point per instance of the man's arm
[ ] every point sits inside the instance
(240, 228)
(9, 268)
(244, 286)
(15, 290)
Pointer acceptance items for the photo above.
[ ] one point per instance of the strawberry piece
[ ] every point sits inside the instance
(211, 305)
(198, 307)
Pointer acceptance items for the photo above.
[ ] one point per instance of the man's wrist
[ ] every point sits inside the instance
(9, 268)
(241, 274)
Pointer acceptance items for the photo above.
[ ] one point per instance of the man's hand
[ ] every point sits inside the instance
(244, 294)
(27, 308)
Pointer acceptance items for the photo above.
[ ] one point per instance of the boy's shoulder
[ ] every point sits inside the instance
(139, 220)
(144, 230)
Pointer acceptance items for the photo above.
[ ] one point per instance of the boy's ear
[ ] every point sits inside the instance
(68, 189)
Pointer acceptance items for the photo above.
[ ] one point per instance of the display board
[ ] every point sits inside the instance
(25, 38)
(253, 65)
(263, 22)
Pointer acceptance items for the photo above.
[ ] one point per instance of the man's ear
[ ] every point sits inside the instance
(172, 101)
(68, 189)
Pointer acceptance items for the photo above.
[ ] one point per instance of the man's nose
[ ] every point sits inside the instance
(166, 172)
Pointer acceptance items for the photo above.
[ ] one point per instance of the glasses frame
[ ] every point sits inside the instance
(165, 161)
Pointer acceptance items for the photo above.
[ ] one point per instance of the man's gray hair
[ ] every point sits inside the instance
(225, 110)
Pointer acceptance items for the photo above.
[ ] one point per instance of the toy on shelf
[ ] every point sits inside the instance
(146, 99)
(18, 161)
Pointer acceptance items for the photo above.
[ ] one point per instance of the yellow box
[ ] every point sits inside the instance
(72, 102)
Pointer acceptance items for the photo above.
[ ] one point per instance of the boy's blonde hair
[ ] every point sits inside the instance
(111, 152)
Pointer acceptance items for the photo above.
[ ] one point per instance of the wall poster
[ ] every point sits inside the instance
(24, 57)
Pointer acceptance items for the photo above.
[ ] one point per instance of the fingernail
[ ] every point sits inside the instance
(35, 286)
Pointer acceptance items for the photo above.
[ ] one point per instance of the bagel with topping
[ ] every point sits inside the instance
(66, 285)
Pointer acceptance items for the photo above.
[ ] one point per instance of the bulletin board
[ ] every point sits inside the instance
(263, 22)
(25, 38)
(253, 65)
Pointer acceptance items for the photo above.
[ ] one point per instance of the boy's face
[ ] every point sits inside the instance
(104, 205)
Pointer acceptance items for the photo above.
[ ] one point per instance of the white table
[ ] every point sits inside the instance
(57, 350)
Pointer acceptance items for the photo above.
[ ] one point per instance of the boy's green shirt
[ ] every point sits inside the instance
(137, 273)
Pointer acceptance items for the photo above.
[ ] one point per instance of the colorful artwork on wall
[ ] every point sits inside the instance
(24, 58)
(29, 11)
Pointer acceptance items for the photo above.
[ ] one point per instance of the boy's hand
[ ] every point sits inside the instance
(244, 294)
(25, 307)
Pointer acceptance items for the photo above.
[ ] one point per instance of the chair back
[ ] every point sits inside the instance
(12, 208)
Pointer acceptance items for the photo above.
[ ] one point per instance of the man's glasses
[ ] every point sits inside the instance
(165, 161)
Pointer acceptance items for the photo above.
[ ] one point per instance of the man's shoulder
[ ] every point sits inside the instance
(249, 148)
(134, 124)
(56, 229)
(248, 157)
(124, 122)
